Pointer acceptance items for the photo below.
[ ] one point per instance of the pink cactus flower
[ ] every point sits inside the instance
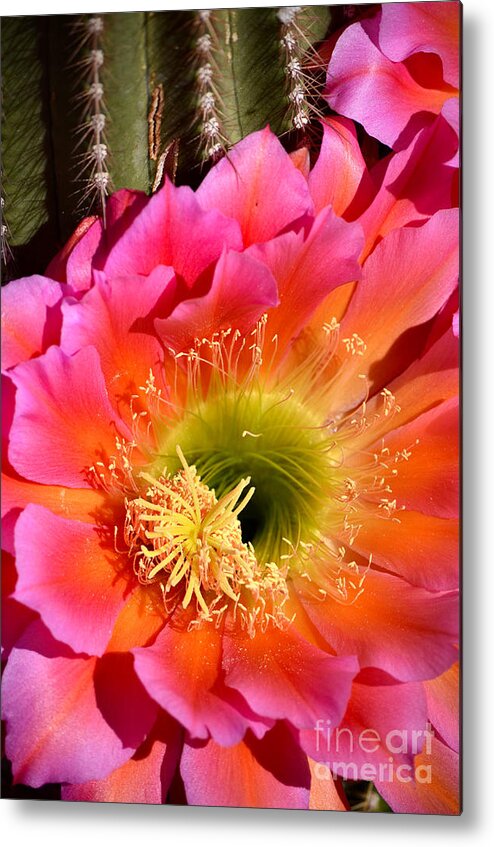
(231, 492)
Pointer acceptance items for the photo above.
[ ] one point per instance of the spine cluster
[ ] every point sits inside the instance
(301, 64)
(94, 158)
(4, 236)
(213, 138)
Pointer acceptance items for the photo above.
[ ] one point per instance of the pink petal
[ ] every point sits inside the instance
(90, 241)
(180, 671)
(405, 281)
(79, 262)
(428, 27)
(306, 270)
(364, 85)
(80, 504)
(259, 186)
(161, 234)
(272, 773)
(418, 182)
(55, 730)
(30, 318)
(443, 704)
(106, 317)
(241, 291)
(456, 323)
(8, 408)
(122, 699)
(57, 269)
(404, 630)
(381, 722)
(69, 577)
(15, 617)
(432, 788)
(340, 176)
(283, 676)
(63, 419)
(145, 778)
(451, 113)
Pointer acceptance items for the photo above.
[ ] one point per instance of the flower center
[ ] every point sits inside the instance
(181, 536)
(276, 442)
(240, 418)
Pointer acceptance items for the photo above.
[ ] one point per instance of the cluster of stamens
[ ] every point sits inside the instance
(190, 543)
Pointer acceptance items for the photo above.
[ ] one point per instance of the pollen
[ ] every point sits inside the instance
(183, 537)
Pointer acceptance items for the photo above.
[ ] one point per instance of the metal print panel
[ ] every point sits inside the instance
(230, 333)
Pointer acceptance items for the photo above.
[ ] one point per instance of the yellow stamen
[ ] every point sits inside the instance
(180, 534)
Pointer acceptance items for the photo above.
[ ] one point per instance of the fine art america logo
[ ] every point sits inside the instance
(371, 755)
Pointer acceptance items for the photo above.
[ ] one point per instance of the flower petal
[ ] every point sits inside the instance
(161, 235)
(405, 281)
(406, 631)
(15, 617)
(429, 481)
(79, 261)
(428, 381)
(451, 113)
(69, 576)
(272, 773)
(443, 704)
(55, 730)
(381, 722)
(138, 623)
(105, 319)
(30, 318)
(179, 671)
(258, 185)
(364, 85)
(324, 795)
(340, 177)
(308, 269)
(408, 28)
(241, 291)
(89, 233)
(80, 504)
(419, 181)
(122, 699)
(436, 788)
(145, 778)
(283, 676)
(63, 419)
(422, 549)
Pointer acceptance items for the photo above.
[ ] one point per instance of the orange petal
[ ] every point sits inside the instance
(421, 548)
(271, 773)
(428, 481)
(427, 382)
(436, 789)
(324, 795)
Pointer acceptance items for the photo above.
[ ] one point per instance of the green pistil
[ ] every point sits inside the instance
(275, 441)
